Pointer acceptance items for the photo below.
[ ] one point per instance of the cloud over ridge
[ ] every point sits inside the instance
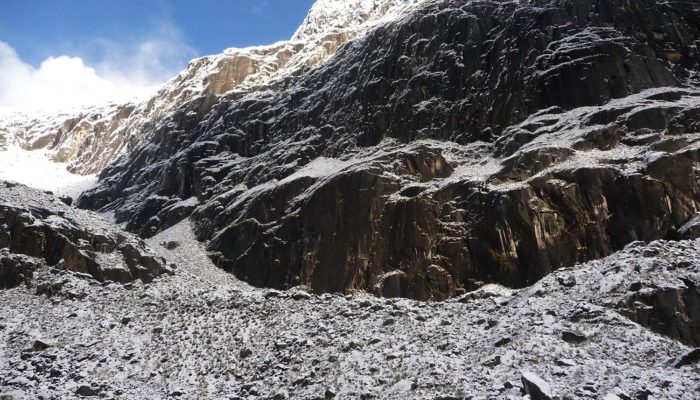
(64, 82)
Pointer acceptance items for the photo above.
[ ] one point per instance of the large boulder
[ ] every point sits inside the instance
(15, 269)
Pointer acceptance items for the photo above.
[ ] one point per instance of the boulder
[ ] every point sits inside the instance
(690, 358)
(536, 387)
(573, 337)
(86, 391)
(15, 269)
(671, 311)
(691, 229)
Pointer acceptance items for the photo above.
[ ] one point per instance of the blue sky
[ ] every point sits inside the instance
(76, 52)
(37, 29)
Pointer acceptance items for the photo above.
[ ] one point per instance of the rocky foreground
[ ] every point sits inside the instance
(624, 327)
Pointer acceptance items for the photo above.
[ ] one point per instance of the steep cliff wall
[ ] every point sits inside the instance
(464, 142)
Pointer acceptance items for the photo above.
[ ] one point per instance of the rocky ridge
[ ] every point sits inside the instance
(38, 229)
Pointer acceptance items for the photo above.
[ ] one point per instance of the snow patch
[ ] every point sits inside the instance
(328, 15)
(319, 167)
(35, 169)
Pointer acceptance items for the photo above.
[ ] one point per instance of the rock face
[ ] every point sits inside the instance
(14, 269)
(445, 143)
(490, 141)
(45, 229)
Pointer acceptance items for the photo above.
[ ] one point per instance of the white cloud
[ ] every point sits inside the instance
(259, 6)
(65, 82)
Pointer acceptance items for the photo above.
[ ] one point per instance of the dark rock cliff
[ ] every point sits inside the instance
(467, 142)
(45, 230)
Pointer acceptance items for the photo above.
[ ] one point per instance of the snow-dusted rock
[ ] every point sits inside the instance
(536, 387)
(244, 134)
(93, 137)
(202, 334)
(46, 230)
(691, 229)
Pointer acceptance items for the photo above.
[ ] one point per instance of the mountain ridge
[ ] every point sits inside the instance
(93, 137)
(461, 107)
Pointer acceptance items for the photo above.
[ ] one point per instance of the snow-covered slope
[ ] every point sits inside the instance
(337, 15)
(86, 140)
(91, 138)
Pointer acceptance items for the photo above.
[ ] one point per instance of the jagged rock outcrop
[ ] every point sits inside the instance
(670, 307)
(43, 228)
(489, 141)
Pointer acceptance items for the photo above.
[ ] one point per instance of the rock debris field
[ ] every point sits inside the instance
(626, 326)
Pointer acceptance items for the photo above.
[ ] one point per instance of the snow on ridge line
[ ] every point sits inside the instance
(328, 15)
(307, 46)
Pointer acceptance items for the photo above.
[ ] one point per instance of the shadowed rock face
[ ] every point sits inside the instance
(36, 225)
(468, 142)
(14, 269)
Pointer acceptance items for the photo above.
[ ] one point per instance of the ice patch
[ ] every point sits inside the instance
(35, 169)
